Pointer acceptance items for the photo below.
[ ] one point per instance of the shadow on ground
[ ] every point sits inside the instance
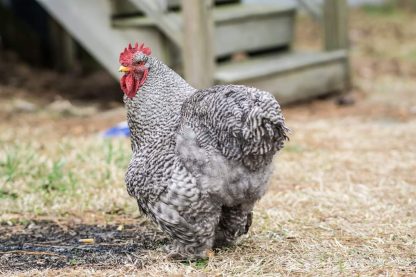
(48, 244)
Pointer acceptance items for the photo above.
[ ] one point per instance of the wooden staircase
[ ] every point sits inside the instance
(238, 27)
(202, 39)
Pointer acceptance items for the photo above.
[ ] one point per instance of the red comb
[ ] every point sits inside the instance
(127, 55)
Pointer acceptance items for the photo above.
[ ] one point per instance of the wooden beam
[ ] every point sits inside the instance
(167, 25)
(313, 8)
(89, 22)
(335, 24)
(336, 32)
(198, 51)
(123, 7)
(63, 47)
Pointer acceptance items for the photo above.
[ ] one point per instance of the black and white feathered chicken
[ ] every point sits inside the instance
(201, 158)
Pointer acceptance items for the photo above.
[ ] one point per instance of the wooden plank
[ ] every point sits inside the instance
(166, 24)
(241, 27)
(198, 51)
(274, 64)
(221, 14)
(241, 12)
(89, 23)
(335, 24)
(125, 7)
(254, 34)
(291, 77)
(176, 3)
(252, 27)
(304, 83)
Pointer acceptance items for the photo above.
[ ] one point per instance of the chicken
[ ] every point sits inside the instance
(201, 158)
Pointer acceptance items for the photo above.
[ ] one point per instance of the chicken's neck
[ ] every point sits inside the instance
(154, 113)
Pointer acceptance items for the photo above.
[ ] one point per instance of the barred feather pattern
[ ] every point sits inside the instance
(201, 158)
(243, 123)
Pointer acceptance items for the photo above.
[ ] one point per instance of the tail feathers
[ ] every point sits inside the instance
(264, 134)
(242, 123)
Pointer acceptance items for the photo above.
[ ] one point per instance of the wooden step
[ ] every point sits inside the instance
(239, 27)
(122, 8)
(290, 77)
(177, 3)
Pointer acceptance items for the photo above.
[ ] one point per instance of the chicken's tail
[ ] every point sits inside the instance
(264, 133)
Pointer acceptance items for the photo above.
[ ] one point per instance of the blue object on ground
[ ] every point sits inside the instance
(119, 130)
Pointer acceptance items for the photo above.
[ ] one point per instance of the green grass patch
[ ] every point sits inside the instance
(197, 264)
(412, 55)
(7, 194)
(387, 8)
(293, 148)
(72, 175)
(201, 263)
(9, 166)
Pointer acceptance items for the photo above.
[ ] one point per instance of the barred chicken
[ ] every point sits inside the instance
(201, 158)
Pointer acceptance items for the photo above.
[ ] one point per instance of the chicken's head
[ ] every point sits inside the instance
(134, 65)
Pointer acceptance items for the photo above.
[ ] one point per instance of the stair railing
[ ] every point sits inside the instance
(198, 34)
(333, 16)
(156, 11)
(335, 23)
(312, 7)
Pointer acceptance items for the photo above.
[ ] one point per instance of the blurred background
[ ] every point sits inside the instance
(72, 48)
(345, 72)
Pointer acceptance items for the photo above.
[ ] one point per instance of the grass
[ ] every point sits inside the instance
(54, 176)
(341, 202)
(385, 9)
(7, 194)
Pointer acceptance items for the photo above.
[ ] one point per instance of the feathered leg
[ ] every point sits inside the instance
(192, 234)
(234, 222)
(195, 246)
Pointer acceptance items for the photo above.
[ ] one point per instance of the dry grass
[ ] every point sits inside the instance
(342, 201)
(48, 178)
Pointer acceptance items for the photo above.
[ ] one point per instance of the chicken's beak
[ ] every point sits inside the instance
(123, 69)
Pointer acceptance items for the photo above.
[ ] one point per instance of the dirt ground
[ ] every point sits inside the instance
(342, 200)
(51, 244)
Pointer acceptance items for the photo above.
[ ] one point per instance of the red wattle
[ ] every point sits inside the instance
(130, 85)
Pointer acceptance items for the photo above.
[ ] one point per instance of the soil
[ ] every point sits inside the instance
(48, 244)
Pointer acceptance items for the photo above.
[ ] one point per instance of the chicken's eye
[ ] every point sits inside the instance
(139, 63)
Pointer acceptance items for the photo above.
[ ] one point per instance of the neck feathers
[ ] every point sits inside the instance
(154, 112)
